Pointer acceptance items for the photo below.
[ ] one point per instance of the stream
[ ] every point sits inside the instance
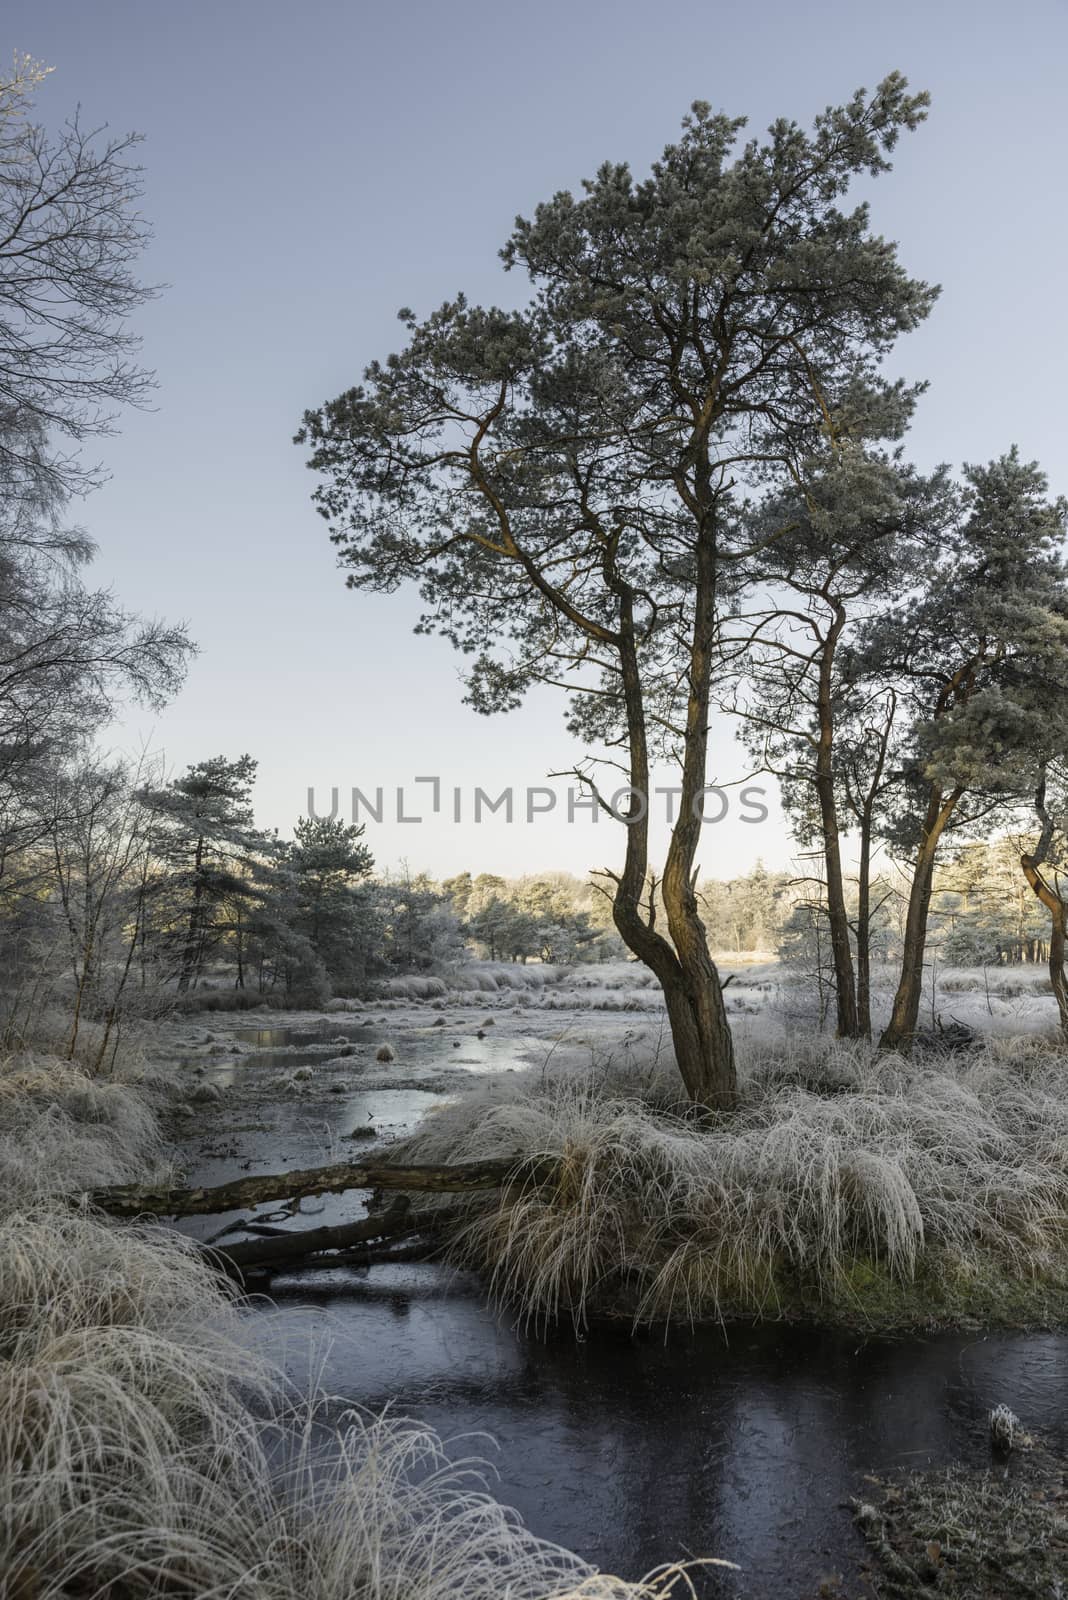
(744, 1444)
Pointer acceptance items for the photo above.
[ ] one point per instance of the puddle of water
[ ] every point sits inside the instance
(322, 1033)
(298, 1135)
(423, 1050)
(394, 1110)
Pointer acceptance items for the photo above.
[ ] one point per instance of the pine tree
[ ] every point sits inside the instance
(980, 664)
(562, 482)
(213, 856)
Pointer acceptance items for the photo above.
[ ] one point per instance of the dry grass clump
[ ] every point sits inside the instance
(593, 999)
(62, 1131)
(1008, 983)
(831, 1180)
(121, 1364)
(388, 1515)
(414, 986)
(476, 977)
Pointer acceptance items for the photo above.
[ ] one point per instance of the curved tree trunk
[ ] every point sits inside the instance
(1058, 935)
(693, 992)
(695, 1005)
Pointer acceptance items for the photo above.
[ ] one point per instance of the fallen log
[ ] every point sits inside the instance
(284, 1248)
(419, 1247)
(137, 1200)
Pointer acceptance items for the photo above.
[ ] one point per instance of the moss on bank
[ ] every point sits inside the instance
(999, 1533)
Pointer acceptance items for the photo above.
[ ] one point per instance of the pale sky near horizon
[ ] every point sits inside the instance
(311, 169)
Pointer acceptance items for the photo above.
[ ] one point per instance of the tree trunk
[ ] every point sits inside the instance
(1058, 935)
(837, 918)
(191, 953)
(863, 802)
(280, 1249)
(696, 1007)
(864, 930)
(701, 1034)
(693, 994)
(135, 1200)
(898, 1032)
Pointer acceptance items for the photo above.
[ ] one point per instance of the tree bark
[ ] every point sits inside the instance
(1058, 935)
(897, 1035)
(135, 1200)
(284, 1248)
(837, 916)
(700, 1033)
(190, 954)
(695, 1004)
(864, 930)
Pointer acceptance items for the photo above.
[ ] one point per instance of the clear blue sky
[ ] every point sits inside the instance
(312, 168)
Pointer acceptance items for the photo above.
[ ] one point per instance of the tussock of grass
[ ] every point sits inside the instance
(205, 999)
(479, 977)
(415, 987)
(1008, 983)
(838, 1177)
(62, 1131)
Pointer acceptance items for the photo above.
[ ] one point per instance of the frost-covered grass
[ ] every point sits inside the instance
(846, 1185)
(148, 1450)
(1008, 983)
(62, 1131)
(970, 1534)
(476, 977)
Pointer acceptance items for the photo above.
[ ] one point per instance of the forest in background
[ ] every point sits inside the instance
(122, 894)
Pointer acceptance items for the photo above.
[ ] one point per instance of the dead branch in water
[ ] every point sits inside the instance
(282, 1248)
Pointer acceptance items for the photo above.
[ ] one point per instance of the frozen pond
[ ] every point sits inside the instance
(632, 1450)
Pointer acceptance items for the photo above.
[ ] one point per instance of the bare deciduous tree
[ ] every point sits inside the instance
(70, 232)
